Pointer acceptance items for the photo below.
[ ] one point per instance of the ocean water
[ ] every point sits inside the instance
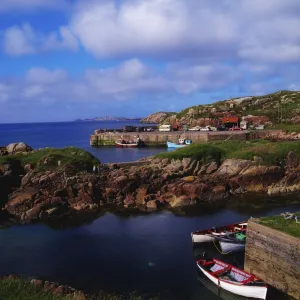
(63, 134)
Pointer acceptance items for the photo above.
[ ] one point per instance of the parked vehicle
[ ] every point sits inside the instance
(206, 128)
(196, 128)
(164, 128)
(221, 128)
(208, 235)
(232, 279)
(235, 128)
(181, 143)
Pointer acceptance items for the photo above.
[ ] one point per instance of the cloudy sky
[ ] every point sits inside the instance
(67, 59)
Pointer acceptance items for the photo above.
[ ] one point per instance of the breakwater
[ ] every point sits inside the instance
(273, 256)
(157, 138)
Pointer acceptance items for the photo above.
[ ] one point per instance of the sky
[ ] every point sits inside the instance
(67, 59)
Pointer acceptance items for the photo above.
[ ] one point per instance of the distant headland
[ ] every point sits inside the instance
(107, 118)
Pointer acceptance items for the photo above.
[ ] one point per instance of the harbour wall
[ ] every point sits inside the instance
(157, 138)
(273, 256)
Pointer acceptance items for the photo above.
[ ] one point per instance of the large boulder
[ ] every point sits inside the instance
(232, 167)
(18, 148)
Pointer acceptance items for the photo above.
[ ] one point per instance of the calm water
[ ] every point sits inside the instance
(150, 254)
(40, 135)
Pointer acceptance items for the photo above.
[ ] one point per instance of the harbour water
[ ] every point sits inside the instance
(40, 135)
(150, 253)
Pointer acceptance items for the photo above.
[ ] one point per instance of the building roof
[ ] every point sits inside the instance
(230, 119)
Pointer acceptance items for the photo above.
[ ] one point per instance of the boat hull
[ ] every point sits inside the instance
(227, 247)
(174, 145)
(202, 238)
(259, 292)
(209, 235)
(119, 145)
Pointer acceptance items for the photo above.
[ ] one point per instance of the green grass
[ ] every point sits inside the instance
(18, 289)
(270, 152)
(22, 289)
(279, 223)
(287, 127)
(72, 156)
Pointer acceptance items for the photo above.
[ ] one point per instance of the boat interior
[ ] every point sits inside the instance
(229, 274)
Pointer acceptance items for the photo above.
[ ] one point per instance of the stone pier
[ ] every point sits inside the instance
(273, 256)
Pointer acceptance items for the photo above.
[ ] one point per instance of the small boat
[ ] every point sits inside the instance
(233, 279)
(121, 143)
(232, 242)
(181, 143)
(208, 235)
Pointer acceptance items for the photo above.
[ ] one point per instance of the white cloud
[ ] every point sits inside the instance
(44, 76)
(209, 30)
(148, 27)
(22, 40)
(4, 92)
(19, 40)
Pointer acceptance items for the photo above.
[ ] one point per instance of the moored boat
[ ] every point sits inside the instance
(232, 242)
(233, 279)
(208, 235)
(181, 143)
(121, 143)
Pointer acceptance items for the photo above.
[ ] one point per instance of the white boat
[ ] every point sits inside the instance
(233, 279)
(208, 235)
(181, 143)
(232, 242)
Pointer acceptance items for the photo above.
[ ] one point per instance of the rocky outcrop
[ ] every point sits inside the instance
(156, 118)
(43, 196)
(18, 148)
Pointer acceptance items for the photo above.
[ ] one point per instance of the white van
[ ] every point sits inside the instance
(164, 128)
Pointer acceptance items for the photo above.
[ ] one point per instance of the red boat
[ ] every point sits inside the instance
(232, 279)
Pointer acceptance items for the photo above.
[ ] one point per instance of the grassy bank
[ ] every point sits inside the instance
(270, 152)
(49, 158)
(22, 289)
(18, 289)
(280, 223)
(287, 127)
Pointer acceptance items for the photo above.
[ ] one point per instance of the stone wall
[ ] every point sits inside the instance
(160, 138)
(274, 257)
(150, 138)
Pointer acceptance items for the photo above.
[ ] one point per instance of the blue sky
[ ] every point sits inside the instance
(62, 59)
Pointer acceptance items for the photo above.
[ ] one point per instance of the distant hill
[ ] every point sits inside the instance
(278, 107)
(158, 117)
(107, 118)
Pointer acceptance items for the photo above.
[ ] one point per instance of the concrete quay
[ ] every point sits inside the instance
(273, 256)
(158, 138)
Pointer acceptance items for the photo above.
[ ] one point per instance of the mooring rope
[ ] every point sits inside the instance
(223, 253)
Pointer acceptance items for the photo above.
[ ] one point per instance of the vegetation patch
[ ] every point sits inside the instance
(289, 226)
(48, 158)
(19, 289)
(22, 289)
(270, 152)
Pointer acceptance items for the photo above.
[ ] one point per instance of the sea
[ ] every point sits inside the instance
(150, 254)
(64, 134)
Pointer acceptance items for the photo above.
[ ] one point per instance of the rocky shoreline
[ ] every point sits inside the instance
(31, 194)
